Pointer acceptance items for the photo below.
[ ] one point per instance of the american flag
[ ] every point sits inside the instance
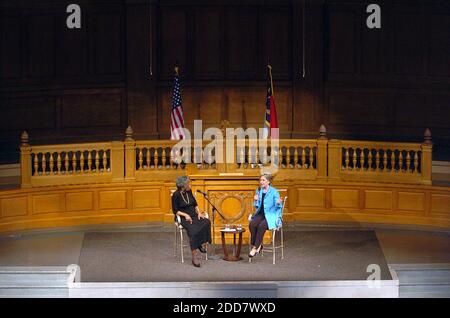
(176, 115)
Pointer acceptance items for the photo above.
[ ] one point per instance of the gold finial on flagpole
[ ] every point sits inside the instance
(177, 68)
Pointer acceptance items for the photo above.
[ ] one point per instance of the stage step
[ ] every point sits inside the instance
(53, 281)
(423, 280)
(65, 282)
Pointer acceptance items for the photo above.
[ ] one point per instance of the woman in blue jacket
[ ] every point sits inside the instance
(268, 205)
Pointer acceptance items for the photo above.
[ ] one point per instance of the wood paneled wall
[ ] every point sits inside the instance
(315, 201)
(66, 85)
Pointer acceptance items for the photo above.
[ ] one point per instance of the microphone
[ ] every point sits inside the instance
(204, 193)
(258, 190)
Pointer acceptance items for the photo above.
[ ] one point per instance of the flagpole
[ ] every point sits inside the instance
(270, 76)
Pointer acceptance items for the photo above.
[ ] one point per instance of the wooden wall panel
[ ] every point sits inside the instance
(108, 45)
(411, 201)
(409, 48)
(242, 43)
(390, 83)
(311, 198)
(440, 204)
(344, 198)
(40, 46)
(374, 49)
(47, 203)
(32, 113)
(72, 48)
(245, 107)
(378, 200)
(91, 110)
(342, 42)
(276, 43)
(208, 44)
(435, 110)
(10, 47)
(146, 198)
(242, 107)
(79, 201)
(358, 109)
(439, 49)
(420, 206)
(14, 206)
(109, 200)
(172, 42)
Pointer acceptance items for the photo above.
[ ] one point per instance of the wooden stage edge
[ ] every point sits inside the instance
(149, 202)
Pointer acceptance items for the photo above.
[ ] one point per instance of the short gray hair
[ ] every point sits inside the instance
(181, 181)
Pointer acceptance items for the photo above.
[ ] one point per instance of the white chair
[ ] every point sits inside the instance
(273, 248)
(181, 243)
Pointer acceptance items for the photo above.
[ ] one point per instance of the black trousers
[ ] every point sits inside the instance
(258, 226)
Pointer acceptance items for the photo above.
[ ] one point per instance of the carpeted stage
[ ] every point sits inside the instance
(338, 255)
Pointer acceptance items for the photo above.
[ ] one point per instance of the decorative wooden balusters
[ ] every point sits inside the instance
(347, 160)
(163, 154)
(289, 157)
(307, 159)
(311, 159)
(140, 159)
(416, 163)
(280, 157)
(97, 162)
(296, 165)
(89, 162)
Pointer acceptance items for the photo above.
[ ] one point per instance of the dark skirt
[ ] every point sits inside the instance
(199, 231)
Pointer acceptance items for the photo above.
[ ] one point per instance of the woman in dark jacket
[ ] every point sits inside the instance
(198, 227)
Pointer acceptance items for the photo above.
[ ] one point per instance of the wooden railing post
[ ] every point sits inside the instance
(334, 159)
(25, 161)
(321, 155)
(130, 157)
(117, 161)
(427, 153)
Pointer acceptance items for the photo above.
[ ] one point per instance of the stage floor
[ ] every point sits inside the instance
(312, 255)
(146, 254)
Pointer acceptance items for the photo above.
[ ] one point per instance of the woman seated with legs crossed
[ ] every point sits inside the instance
(198, 227)
(268, 205)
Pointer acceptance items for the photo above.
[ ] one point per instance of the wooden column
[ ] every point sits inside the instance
(322, 154)
(117, 161)
(25, 161)
(130, 155)
(427, 153)
(334, 159)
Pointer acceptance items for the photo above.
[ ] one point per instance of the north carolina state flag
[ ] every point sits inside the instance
(271, 120)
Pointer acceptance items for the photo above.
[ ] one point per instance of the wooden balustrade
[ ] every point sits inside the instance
(307, 159)
(379, 161)
(71, 164)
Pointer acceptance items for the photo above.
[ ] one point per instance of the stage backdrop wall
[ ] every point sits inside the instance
(87, 84)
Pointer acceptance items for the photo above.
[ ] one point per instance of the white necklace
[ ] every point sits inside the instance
(187, 196)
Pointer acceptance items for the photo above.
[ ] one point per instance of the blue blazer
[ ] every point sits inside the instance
(272, 210)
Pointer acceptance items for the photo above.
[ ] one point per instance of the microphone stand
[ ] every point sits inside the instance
(214, 209)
